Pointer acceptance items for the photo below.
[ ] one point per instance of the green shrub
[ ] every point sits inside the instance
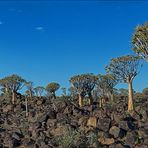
(69, 138)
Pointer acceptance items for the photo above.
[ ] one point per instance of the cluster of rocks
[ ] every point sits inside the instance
(110, 126)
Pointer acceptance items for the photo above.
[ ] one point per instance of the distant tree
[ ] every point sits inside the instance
(125, 69)
(30, 89)
(145, 91)
(39, 91)
(84, 84)
(123, 91)
(140, 41)
(12, 83)
(52, 88)
(105, 86)
(63, 91)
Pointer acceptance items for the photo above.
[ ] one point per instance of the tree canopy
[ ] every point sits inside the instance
(140, 40)
(124, 68)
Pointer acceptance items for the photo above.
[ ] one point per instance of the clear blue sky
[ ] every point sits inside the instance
(52, 41)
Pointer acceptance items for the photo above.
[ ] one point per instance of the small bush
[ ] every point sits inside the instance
(69, 138)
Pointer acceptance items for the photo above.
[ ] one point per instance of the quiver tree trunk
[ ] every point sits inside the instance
(13, 97)
(54, 96)
(80, 100)
(26, 104)
(30, 94)
(130, 97)
(100, 102)
(90, 99)
(111, 95)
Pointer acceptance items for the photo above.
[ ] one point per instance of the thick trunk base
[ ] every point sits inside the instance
(130, 97)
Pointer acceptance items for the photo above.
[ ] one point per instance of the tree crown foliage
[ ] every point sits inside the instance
(124, 68)
(13, 82)
(84, 83)
(106, 83)
(52, 87)
(140, 40)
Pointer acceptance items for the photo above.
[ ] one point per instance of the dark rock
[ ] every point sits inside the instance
(123, 125)
(115, 131)
(51, 122)
(51, 114)
(104, 124)
(2, 130)
(131, 139)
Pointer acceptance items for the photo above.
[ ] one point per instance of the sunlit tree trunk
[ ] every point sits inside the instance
(100, 102)
(13, 97)
(90, 99)
(30, 94)
(111, 97)
(80, 100)
(130, 97)
(26, 104)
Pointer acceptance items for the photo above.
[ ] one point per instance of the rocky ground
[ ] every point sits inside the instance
(63, 124)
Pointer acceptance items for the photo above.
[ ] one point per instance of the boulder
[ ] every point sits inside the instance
(119, 145)
(7, 108)
(104, 124)
(58, 131)
(130, 139)
(92, 121)
(51, 122)
(115, 131)
(106, 141)
(82, 121)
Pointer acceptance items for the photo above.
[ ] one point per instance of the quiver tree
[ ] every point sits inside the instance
(84, 84)
(140, 41)
(51, 88)
(39, 91)
(125, 69)
(12, 84)
(63, 91)
(30, 89)
(105, 86)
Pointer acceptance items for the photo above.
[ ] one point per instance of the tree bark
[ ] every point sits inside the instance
(130, 97)
(90, 99)
(80, 100)
(13, 97)
(54, 96)
(100, 103)
(26, 102)
(112, 97)
(30, 94)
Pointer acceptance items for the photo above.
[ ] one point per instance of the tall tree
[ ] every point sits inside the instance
(140, 40)
(84, 84)
(125, 69)
(30, 89)
(12, 83)
(52, 88)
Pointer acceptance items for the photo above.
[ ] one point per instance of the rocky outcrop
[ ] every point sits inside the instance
(51, 124)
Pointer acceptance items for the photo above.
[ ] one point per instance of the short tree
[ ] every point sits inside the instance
(39, 91)
(52, 88)
(125, 69)
(12, 83)
(140, 41)
(84, 84)
(105, 86)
